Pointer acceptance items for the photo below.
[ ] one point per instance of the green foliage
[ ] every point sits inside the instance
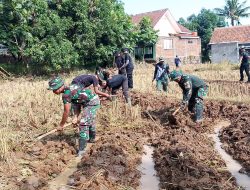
(204, 23)
(233, 10)
(58, 35)
(145, 34)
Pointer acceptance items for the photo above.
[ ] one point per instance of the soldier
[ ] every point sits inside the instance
(114, 83)
(161, 75)
(128, 64)
(244, 60)
(118, 63)
(194, 89)
(84, 98)
(85, 81)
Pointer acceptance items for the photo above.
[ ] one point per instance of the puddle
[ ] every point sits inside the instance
(60, 182)
(148, 180)
(232, 165)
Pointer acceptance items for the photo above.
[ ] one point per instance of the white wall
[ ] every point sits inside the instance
(166, 25)
(225, 52)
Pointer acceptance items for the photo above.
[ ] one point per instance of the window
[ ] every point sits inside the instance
(149, 50)
(168, 44)
(190, 41)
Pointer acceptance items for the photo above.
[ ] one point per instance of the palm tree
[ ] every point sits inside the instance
(234, 10)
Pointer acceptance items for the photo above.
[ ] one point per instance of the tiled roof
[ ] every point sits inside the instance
(154, 16)
(239, 34)
(183, 29)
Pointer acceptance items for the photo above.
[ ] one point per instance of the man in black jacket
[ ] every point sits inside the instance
(128, 65)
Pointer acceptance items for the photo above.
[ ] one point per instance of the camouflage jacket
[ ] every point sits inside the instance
(75, 94)
(189, 84)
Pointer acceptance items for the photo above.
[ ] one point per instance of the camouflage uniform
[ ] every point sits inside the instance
(90, 103)
(194, 89)
(161, 76)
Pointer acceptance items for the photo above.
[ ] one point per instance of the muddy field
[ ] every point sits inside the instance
(236, 138)
(184, 155)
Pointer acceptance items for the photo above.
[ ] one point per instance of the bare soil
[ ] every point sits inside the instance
(236, 137)
(184, 155)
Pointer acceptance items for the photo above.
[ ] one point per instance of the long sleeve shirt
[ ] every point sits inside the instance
(161, 71)
(189, 84)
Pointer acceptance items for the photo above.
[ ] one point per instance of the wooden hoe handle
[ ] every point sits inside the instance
(51, 132)
(176, 111)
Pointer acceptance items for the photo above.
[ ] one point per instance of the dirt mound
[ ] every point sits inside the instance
(187, 160)
(111, 163)
(43, 160)
(236, 139)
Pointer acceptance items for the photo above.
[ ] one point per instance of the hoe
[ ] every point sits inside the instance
(172, 119)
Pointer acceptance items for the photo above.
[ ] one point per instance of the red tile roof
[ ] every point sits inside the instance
(239, 34)
(183, 28)
(154, 16)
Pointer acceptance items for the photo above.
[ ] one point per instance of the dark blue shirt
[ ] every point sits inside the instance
(85, 80)
(116, 81)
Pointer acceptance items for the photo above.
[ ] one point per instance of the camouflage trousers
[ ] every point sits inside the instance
(87, 124)
(162, 85)
(196, 104)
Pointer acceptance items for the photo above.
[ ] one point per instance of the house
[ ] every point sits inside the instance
(226, 42)
(174, 39)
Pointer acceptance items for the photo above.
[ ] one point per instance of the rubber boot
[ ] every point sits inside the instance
(82, 146)
(128, 101)
(92, 135)
(198, 112)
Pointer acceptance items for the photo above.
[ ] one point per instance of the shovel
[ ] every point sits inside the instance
(172, 118)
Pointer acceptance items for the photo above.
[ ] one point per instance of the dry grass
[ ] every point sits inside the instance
(27, 108)
(227, 88)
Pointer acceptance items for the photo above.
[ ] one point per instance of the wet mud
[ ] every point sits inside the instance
(236, 138)
(183, 154)
(111, 163)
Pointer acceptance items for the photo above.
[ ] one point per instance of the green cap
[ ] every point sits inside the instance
(55, 83)
(175, 75)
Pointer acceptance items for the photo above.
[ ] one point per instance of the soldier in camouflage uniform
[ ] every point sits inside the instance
(81, 98)
(194, 89)
(161, 75)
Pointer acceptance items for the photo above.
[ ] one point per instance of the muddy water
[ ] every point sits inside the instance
(60, 182)
(148, 181)
(232, 165)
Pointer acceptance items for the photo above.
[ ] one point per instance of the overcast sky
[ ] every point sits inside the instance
(178, 8)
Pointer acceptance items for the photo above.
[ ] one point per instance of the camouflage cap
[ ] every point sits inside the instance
(175, 75)
(55, 83)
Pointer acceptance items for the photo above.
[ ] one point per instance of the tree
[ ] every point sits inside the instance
(58, 35)
(234, 10)
(145, 34)
(204, 23)
(99, 28)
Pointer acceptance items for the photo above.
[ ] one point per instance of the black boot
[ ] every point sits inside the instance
(82, 146)
(92, 135)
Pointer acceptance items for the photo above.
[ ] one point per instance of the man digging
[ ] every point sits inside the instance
(113, 83)
(81, 99)
(194, 89)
